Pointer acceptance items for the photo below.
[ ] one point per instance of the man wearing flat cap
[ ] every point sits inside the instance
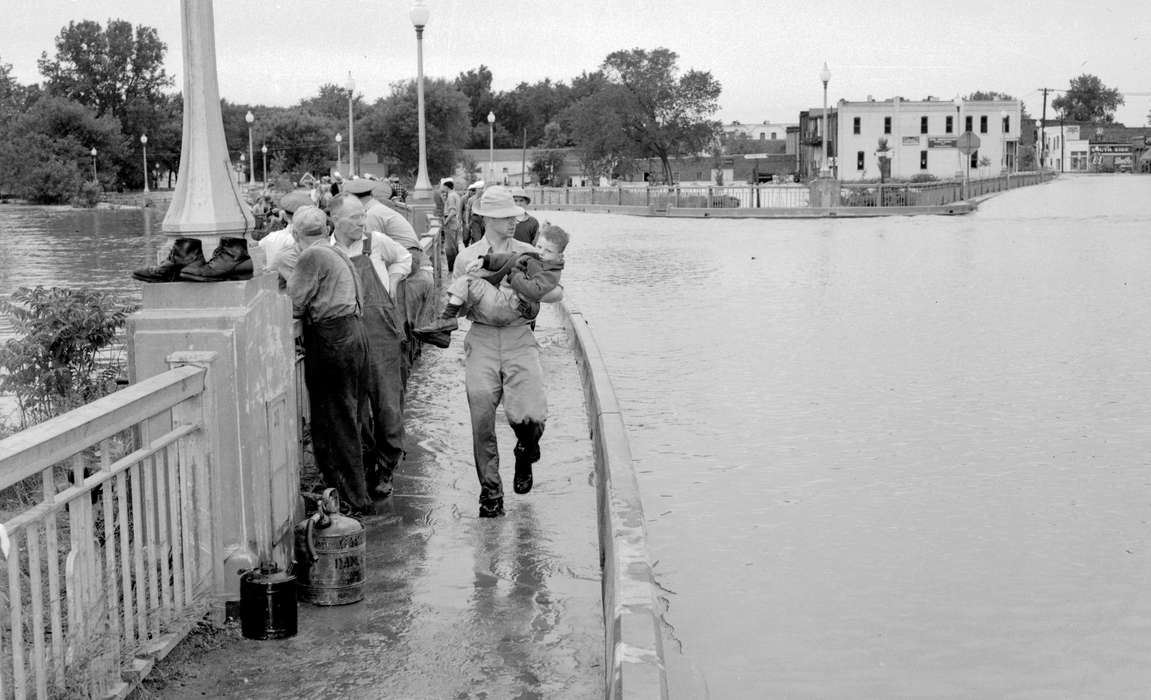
(277, 242)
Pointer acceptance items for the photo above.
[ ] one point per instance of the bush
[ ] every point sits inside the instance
(57, 362)
(88, 196)
(53, 182)
(923, 177)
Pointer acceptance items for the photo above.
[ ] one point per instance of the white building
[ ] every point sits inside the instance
(923, 137)
(766, 131)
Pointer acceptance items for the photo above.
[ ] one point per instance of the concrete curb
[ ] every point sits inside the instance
(633, 642)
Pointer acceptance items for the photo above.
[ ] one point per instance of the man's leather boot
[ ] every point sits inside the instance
(230, 261)
(184, 252)
(438, 332)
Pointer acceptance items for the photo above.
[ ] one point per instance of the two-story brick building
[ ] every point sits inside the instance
(922, 137)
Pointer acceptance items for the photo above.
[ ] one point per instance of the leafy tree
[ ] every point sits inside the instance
(298, 142)
(477, 87)
(548, 161)
(54, 364)
(661, 113)
(332, 103)
(106, 67)
(391, 126)
(598, 128)
(1088, 100)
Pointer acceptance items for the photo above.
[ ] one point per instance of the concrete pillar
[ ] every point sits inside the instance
(824, 192)
(247, 324)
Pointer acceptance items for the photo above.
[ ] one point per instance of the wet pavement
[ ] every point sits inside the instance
(455, 606)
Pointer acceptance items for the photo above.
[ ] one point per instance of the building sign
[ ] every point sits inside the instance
(910, 140)
(942, 141)
(1111, 148)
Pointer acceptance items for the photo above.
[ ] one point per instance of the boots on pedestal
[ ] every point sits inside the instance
(230, 261)
(185, 252)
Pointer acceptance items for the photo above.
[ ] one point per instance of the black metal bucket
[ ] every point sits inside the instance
(268, 604)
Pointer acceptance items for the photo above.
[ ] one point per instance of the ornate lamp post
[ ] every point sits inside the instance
(351, 86)
(339, 141)
(824, 76)
(491, 147)
(241, 178)
(419, 15)
(264, 151)
(249, 117)
(144, 144)
(94, 178)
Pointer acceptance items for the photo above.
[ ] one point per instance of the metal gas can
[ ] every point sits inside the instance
(268, 603)
(330, 556)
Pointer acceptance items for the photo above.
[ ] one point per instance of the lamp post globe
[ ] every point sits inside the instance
(824, 77)
(419, 14)
(249, 117)
(339, 142)
(264, 151)
(94, 178)
(351, 87)
(144, 146)
(491, 147)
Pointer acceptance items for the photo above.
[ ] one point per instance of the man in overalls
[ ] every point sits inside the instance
(380, 264)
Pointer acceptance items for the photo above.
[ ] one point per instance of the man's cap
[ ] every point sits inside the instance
(382, 190)
(394, 178)
(476, 185)
(360, 185)
(497, 203)
(295, 199)
(518, 192)
(446, 180)
(310, 221)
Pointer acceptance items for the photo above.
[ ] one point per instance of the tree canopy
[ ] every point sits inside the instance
(1088, 100)
(391, 126)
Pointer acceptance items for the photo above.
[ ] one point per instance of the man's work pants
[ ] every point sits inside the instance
(335, 369)
(503, 364)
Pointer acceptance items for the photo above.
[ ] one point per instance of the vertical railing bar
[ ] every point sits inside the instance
(111, 592)
(35, 590)
(190, 541)
(163, 549)
(129, 630)
(205, 535)
(52, 550)
(138, 552)
(175, 488)
(75, 578)
(149, 517)
(16, 618)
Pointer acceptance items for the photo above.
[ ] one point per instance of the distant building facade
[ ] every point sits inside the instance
(922, 137)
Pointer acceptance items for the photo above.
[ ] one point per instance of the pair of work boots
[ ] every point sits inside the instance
(186, 263)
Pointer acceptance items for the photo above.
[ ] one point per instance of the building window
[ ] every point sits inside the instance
(856, 126)
(967, 123)
(950, 126)
(923, 125)
(887, 125)
(974, 159)
(1007, 125)
(859, 160)
(1078, 160)
(774, 136)
(983, 124)
(923, 160)
(762, 136)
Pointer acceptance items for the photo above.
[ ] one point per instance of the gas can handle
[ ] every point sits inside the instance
(330, 501)
(309, 538)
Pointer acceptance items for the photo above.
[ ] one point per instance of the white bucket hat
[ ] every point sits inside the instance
(497, 203)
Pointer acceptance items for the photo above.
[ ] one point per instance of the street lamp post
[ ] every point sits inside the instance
(1003, 128)
(242, 170)
(264, 151)
(351, 128)
(249, 117)
(94, 178)
(144, 144)
(491, 147)
(339, 141)
(419, 15)
(824, 76)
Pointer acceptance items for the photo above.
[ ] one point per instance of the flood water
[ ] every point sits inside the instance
(900, 457)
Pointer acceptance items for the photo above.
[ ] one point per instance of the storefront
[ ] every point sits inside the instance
(1112, 157)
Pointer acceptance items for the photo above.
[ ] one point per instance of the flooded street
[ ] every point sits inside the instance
(901, 457)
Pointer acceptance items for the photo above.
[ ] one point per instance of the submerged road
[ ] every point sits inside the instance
(455, 606)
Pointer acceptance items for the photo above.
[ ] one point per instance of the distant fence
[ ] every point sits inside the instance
(662, 198)
(108, 538)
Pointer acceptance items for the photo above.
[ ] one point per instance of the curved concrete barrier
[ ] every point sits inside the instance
(634, 648)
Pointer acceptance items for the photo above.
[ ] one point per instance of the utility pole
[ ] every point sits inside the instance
(1043, 130)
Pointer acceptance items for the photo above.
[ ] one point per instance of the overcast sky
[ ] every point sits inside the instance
(767, 55)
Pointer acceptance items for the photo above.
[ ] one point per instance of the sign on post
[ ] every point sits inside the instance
(968, 143)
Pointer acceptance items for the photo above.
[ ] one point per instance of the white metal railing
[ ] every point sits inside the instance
(107, 537)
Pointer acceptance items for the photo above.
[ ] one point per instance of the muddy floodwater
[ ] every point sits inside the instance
(903, 457)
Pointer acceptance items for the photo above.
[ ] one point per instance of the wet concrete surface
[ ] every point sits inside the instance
(455, 606)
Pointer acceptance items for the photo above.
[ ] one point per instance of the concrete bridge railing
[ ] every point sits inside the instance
(108, 537)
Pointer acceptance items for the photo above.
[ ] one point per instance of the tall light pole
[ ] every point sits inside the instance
(491, 147)
(144, 144)
(242, 169)
(249, 117)
(1003, 128)
(419, 15)
(94, 178)
(339, 141)
(351, 86)
(264, 151)
(824, 76)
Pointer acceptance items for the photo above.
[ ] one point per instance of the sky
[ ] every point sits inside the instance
(766, 55)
